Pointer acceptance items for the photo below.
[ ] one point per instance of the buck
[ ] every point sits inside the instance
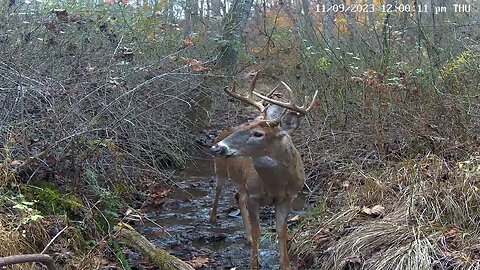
(240, 169)
(261, 157)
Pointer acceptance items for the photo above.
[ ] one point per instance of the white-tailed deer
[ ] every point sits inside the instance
(261, 158)
(240, 169)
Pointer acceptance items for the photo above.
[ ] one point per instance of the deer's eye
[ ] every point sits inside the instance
(257, 134)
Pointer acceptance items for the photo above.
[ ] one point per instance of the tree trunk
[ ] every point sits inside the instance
(309, 26)
(404, 15)
(159, 256)
(171, 11)
(216, 7)
(329, 22)
(371, 15)
(351, 16)
(418, 18)
(386, 35)
(233, 25)
(191, 17)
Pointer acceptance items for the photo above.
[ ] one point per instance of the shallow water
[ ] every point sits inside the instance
(186, 233)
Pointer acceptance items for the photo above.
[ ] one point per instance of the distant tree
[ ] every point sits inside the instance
(371, 15)
(309, 25)
(216, 8)
(328, 21)
(191, 16)
(234, 22)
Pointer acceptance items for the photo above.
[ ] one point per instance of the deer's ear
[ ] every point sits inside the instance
(289, 123)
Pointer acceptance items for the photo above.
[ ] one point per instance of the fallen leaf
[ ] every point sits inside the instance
(187, 42)
(186, 61)
(375, 211)
(51, 160)
(451, 233)
(159, 233)
(62, 14)
(16, 163)
(352, 261)
(322, 236)
(320, 239)
(198, 262)
(196, 65)
(50, 26)
(157, 196)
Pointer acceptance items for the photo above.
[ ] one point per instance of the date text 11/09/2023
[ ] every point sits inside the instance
(390, 8)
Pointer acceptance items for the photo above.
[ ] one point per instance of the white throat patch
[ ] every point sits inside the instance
(264, 162)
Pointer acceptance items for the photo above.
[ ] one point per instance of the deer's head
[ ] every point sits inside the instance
(259, 137)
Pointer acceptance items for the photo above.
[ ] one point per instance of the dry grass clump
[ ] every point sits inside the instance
(431, 219)
(51, 235)
(13, 242)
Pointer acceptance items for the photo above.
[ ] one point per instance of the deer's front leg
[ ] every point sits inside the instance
(218, 191)
(281, 213)
(242, 205)
(254, 218)
(221, 176)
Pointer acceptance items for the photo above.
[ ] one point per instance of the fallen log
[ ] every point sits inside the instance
(159, 256)
(28, 258)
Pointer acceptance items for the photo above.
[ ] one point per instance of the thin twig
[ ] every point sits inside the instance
(53, 239)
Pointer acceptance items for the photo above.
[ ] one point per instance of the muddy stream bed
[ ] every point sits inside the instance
(186, 232)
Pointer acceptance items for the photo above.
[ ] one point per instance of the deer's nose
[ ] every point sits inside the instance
(218, 150)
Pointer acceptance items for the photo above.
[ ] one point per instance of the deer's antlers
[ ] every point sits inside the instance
(261, 106)
(249, 97)
(301, 110)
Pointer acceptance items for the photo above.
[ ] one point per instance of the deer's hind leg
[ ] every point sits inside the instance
(254, 218)
(281, 213)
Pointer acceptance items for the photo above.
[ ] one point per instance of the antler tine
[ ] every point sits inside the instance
(303, 110)
(270, 94)
(291, 95)
(252, 85)
(249, 97)
(272, 91)
(312, 103)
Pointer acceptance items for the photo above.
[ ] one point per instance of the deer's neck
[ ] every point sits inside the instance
(281, 172)
(283, 161)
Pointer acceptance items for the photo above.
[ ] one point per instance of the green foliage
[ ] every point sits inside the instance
(169, 159)
(27, 208)
(49, 200)
(108, 202)
(119, 255)
(461, 61)
(461, 73)
(312, 215)
(322, 63)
